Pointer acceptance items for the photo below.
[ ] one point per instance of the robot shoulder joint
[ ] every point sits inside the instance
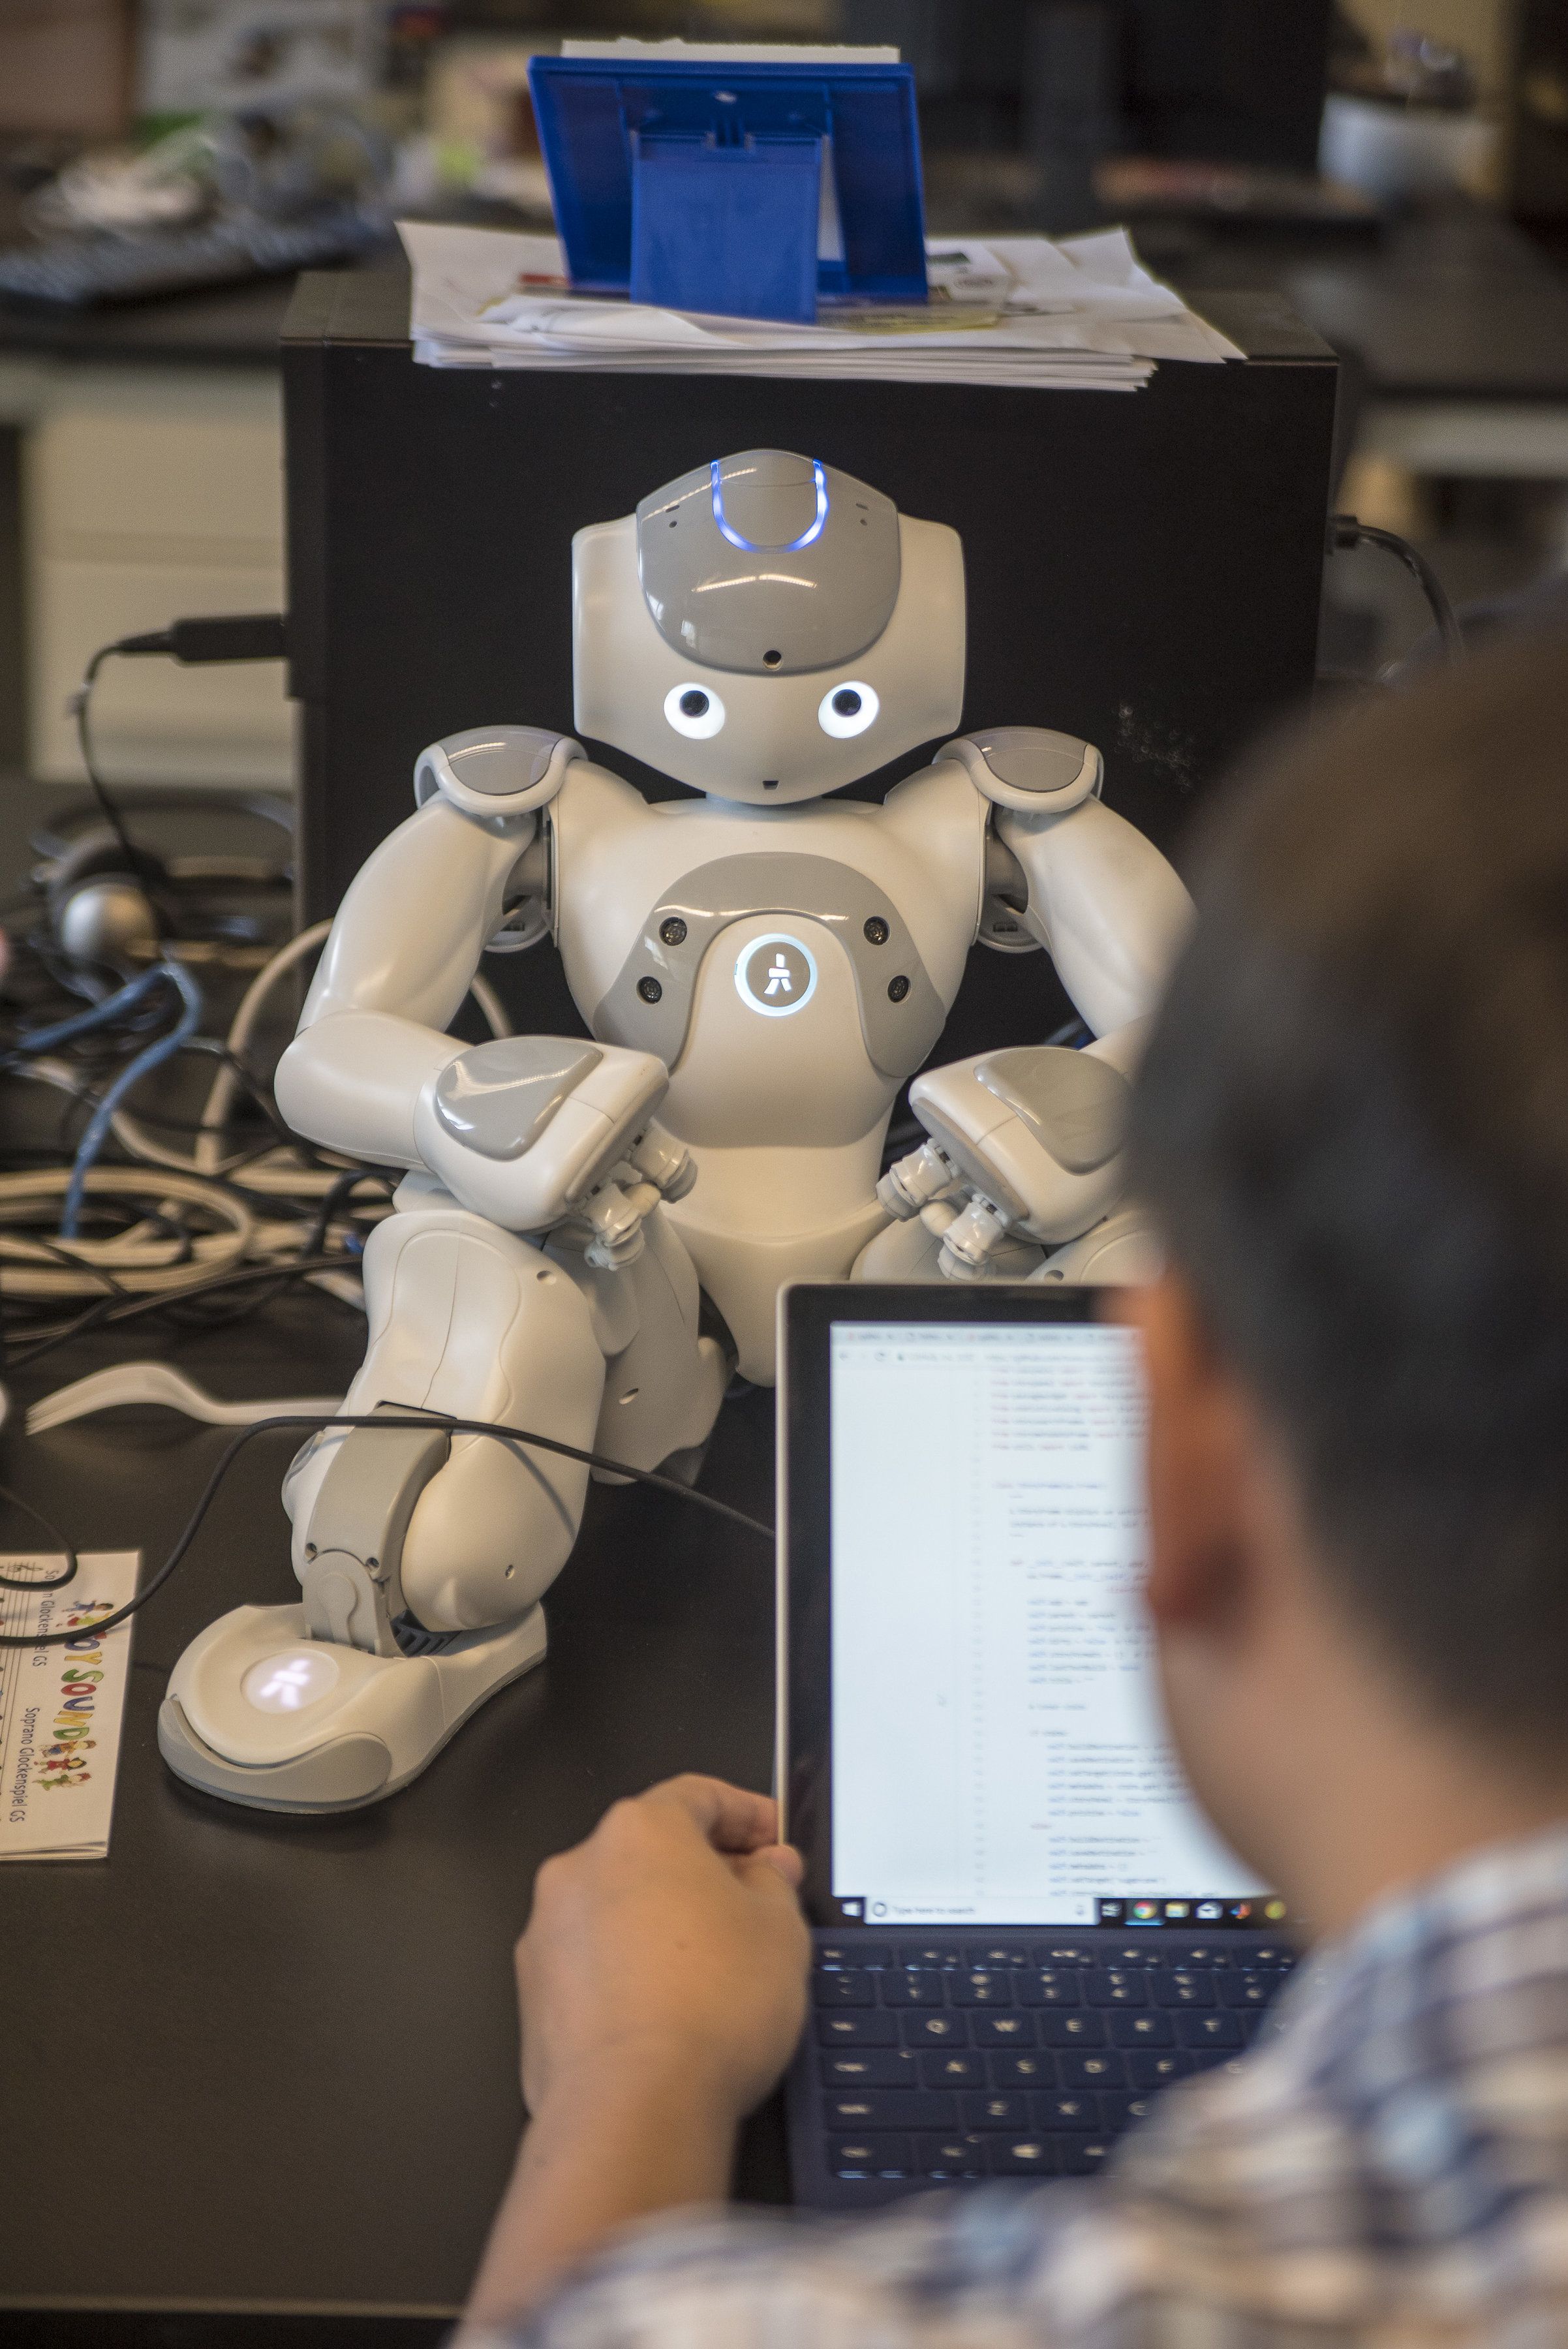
(1029, 767)
(495, 770)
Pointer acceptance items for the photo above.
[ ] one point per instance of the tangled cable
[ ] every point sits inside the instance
(205, 1209)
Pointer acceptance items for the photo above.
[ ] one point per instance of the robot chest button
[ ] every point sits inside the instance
(775, 975)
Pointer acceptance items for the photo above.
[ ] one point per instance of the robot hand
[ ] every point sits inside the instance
(1024, 1144)
(534, 1131)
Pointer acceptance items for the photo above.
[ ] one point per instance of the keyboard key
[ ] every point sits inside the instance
(1082, 2111)
(1002, 2030)
(1221, 2030)
(922, 2029)
(869, 2067)
(1158, 2071)
(1116, 1986)
(1248, 1989)
(1181, 1988)
(1023, 2071)
(998, 1954)
(955, 2070)
(892, 2108)
(1146, 2029)
(949, 2156)
(1061, 1953)
(1050, 1986)
(857, 2029)
(912, 1986)
(1119, 2112)
(999, 2111)
(981, 1988)
(1106, 2070)
(1141, 1953)
(842, 1989)
(1080, 2156)
(931, 1953)
(1283, 1958)
(1026, 2156)
(871, 2156)
(853, 1953)
(1082, 2028)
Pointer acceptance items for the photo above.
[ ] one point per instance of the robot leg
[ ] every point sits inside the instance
(665, 1382)
(422, 1558)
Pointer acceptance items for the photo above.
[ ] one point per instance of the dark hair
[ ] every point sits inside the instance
(1352, 1130)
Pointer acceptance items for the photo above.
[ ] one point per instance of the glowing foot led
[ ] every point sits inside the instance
(260, 1713)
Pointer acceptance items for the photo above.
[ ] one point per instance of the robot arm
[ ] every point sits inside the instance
(1028, 1141)
(403, 952)
(524, 1131)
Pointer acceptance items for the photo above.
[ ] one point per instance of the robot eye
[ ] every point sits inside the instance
(847, 710)
(693, 711)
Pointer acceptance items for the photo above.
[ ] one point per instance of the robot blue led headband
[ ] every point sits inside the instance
(756, 547)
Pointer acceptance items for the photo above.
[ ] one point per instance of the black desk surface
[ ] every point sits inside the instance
(263, 2064)
(1452, 304)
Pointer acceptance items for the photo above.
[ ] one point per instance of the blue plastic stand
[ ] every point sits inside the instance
(729, 229)
(753, 189)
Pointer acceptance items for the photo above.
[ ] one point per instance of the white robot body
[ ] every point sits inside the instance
(760, 970)
(783, 1103)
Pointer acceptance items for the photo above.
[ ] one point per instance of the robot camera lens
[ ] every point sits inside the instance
(673, 931)
(650, 989)
(876, 930)
(897, 988)
(693, 711)
(771, 660)
(846, 710)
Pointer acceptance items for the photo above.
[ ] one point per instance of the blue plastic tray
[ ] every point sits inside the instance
(717, 187)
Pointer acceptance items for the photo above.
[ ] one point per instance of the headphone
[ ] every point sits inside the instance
(102, 915)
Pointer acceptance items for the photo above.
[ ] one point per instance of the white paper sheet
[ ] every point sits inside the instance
(1083, 313)
(61, 1707)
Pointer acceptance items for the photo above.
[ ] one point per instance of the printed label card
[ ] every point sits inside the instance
(61, 1705)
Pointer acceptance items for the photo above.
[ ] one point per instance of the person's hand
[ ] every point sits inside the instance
(669, 1946)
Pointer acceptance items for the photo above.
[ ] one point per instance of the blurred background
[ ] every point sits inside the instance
(1397, 169)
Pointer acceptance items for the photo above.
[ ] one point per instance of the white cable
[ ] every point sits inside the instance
(490, 1004)
(225, 1085)
(142, 1259)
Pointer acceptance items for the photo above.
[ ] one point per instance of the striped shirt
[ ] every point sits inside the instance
(1389, 2168)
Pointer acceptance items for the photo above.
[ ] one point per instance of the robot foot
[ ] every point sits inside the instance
(263, 1714)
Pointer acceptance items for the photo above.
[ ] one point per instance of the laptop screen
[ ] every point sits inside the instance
(998, 1749)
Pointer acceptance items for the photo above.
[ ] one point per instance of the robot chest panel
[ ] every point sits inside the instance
(769, 956)
(775, 1050)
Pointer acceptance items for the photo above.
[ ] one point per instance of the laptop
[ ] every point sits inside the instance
(1024, 1926)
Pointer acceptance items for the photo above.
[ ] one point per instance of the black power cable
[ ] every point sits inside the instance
(1345, 532)
(424, 1421)
(243, 637)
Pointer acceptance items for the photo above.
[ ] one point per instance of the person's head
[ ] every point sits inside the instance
(1352, 1131)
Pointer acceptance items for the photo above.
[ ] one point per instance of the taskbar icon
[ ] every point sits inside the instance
(1262, 1909)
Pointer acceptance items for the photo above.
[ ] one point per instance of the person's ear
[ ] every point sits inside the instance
(1201, 1440)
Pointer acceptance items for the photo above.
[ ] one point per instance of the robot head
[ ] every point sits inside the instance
(767, 628)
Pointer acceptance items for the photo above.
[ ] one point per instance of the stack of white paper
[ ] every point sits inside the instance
(1084, 314)
(61, 1705)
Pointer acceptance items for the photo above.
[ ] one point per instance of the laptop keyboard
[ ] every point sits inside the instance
(1027, 2058)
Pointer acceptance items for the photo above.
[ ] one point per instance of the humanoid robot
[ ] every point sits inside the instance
(761, 967)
